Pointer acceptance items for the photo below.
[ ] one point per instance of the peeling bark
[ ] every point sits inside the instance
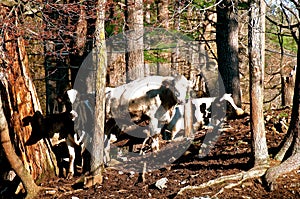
(19, 99)
(31, 188)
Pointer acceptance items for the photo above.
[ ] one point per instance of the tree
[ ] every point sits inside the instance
(134, 56)
(256, 45)
(163, 22)
(18, 100)
(163, 13)
(291, 147)
(31, 188)
(97, 163)
(227, 47)
(289, 153)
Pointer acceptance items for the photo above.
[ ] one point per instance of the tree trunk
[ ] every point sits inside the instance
(163, 13)
(163, 22)
(19, 100)
(81, 31)
(288, 84)
(148, 12)
(31, 188)
(135, 48)
(227, 45)
(256, 64)
(292, 138)
(97, 163)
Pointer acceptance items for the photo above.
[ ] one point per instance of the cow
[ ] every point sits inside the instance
(45, 127)
(150, 98)
(204, 105)
(202, 109)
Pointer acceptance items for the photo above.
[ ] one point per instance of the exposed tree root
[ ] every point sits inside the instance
(273, 173)
(227, 180)
(55, 191)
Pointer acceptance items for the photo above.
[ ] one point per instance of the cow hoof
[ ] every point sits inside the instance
(70, 176)
(239, 111)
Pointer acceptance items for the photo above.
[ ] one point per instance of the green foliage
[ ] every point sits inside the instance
(202, 3)
(154, 56)
(288, 41)
(283, 115)
(273, 30)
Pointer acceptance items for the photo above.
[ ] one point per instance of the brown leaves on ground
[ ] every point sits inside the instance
(230, 155)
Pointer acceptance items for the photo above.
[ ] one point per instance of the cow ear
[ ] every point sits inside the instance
(38, 115)
(26, 120)
(72, 93)
(167, 83)
(153, 93)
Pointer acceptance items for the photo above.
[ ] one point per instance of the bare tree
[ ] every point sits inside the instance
(135, 49)
(97, 163)
(17, 165)
(290, 151)
(227, 46)
(18, 100)
(256, 47)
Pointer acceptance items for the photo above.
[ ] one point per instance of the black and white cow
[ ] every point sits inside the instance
(45, 127)
(152, 97)
(204, 105)
(202, 113)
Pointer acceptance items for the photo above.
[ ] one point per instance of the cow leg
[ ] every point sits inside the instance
(71, 150)
(229, 99)
(154, 132)
(150, 138)
(106, 149)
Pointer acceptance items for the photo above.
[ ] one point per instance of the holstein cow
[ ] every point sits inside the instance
(48, 126)
(83, 105)
(203, 108)
(202, 112)
(152, 97)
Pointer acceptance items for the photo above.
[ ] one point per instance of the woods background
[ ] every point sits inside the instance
(43, 44)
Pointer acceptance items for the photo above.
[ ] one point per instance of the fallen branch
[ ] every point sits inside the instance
(239, 177)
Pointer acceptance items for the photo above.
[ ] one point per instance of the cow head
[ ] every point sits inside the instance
(179, 87)
(36, 122)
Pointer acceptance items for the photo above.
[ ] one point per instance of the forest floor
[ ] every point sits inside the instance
(231, 154)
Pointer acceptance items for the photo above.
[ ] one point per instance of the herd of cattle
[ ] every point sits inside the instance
(154, 105)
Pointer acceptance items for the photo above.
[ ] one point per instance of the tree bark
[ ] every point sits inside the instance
(19, 99)
(163, 13)
(135, 48)
(31, 188)
(292, 140)
(97, 163)
(227, 46)
(256, 64)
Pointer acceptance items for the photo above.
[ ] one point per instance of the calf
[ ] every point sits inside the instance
(47, 126)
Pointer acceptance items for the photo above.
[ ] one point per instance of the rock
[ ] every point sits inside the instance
(161, 183)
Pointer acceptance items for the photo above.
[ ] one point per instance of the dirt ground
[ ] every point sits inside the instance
(231, 154)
